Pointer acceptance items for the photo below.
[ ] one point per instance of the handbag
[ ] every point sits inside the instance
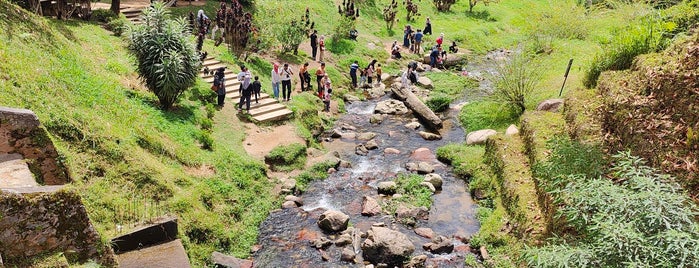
(214, 87)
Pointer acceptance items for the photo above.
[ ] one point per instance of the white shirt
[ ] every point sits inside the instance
(286, 74)
(275, 77)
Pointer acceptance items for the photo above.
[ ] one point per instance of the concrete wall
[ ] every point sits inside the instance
(20, 133)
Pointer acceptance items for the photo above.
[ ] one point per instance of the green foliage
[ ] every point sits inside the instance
(341, 46)
(568, 158)
(166, 58)
(306, 107)
(563, 19)
(102, 15)
(466, 159)
(473, 3)
(342, 28)
(439, 103)
(642, 221)
(207, 141)
(486, 114)
(389, 14)
(412, 192)
(514, 81)
(294, 32)
(117, 25)
(287, 157)
(443, 5)
(316, 172)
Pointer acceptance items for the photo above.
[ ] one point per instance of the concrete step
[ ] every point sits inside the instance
(273, 116)
(209, 62)
(227, 73)
(230, 79)
(267, 109)
(169, 254)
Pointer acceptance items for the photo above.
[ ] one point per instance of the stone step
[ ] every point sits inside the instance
(233, 94)
(273, 116)
(230, 79)
(227, 73)
(267, 109)
(209, 62)
(169, 254)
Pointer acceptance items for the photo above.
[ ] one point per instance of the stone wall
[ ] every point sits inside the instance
(21, 133)
(32, 225)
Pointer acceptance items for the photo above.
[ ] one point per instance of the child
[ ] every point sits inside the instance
(256, 86)
(327, 92)
(378, 73)
(362, 77)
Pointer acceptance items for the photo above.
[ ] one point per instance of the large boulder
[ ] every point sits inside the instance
(453, 59)
(425, 82)
(429, 118)
(387, 246)
(550, 105)
(376, 92)
(479, 136)
(391, 107)
(333, 221)
(370, 206)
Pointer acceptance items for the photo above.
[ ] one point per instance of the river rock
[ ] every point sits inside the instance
(288, 185)
(439, 245)
(343, 239)
(370, 206)
(413, 125)
(376, 118)
(511, 130)
(417, 262)
(550, 105)
(371, 145)
(434, 179)
(321, 242)
(429, 118)
(420, 67)
(479, 136)
(336, 133)
(366, 136)
(222, 260)
(424, 232)
(424, 168)
(345, 164)
(385, 77)
(349, 135)
(387, 246)
(430, 136)
(289, 204)
(347, 255)
(333, 221)
(405, 212)
(425, 82)
(422, 154)
(391, 151)
(349, 127)
(376, 91)
(391, 107)
(429, 186)
(452, 260)
(361, 150)
(349, 98)
(387, 187)
(412, 167)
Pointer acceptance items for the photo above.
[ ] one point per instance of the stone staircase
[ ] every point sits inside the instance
(266, 110)
(132, 14)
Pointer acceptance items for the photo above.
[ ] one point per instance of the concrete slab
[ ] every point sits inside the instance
(166, 255)
(163, 230)
(15, 173)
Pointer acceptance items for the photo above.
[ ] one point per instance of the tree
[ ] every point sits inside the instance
(444, 5)
(116, 6)
(348, 9)
(515, 80)
(295, 32)
(166, 58)
(472, 3)
(389, 14)
(411, 8)
(239, 28)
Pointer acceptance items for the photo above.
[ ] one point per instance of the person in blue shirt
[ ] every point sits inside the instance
(353, 73)
(418, 41)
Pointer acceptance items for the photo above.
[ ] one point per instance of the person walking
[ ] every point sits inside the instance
(220, 84)
(320, 73)
(353, 73)
(314, 43)
(321, 47)
(418, 41)
(370, 70)
(276, 80)
(303, 71)
(256, 87)
(247, 93)
(244, 77)
(428, 27)
(286, 73)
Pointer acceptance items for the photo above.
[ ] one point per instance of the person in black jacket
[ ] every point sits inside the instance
(314, 43)
(256, 86)
(219, 82)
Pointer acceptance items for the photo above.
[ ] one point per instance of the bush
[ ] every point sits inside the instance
(207, 124)
(486, 114)
(206, 140)
(287, 157)
(316, 172)
(117, 25)
(438, 103)
(514, 81)
(568, 158)
(103, 15)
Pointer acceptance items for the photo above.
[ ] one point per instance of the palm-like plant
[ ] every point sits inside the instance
(166, 58)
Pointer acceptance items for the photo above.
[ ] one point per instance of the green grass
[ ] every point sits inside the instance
(287, 157)
(486, 115)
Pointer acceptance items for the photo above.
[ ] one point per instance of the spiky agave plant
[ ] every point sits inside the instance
(166, 58)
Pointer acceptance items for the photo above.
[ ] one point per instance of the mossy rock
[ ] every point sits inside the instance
(286, 157)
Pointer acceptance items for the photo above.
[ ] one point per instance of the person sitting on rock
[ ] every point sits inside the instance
(395, 50)
(453, 48)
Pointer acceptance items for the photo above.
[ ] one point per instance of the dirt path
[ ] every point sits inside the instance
(259, 141)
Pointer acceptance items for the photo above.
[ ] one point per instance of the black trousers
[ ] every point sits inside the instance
(245, 98)
(286, 89)
(221, 99)
(354, 79)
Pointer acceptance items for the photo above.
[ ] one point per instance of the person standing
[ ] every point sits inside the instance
(406, 35)
(220, 83)
(244, 77)
(247, 93)
(256, 87)
(379, 72)
(320, 73)
(314, 43)
(370, 70)
(303, 71)
(353, 73)
(321, 47)
(440, 39)
(428, 27)
(276, 80)
(418, 41)
(327, 93)
(286, 73)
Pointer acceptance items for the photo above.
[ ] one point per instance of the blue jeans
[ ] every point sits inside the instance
(275, 89)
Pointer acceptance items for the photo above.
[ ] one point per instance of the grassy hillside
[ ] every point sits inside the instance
(131, 161)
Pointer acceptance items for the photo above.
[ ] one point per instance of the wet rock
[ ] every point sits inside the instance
(484, 253)
(462, 249)
(424, 232)
(420, 67)
(222, 260)
(435, 180)
(384, 245)
(347, 255)
(391, 107)
(333, 221)
(424, 168)
(430, 136)
(387, 187)
(412, 167)
(288, 185)
(366, 136)
(336, 133)
(345, 164)
(417, 262)
(349, 98)
(422, 154)
(348, 127)
(511, 130)
(295, 199)
(324, 255)
(370, 206)
(479, 136)
(429, 186)
(322, 242)
(369, 266)
(371, 145)
(361, 150)
(439, 245)
(255, 248)
(343, 239)
(289, 204)
(376, 91)
(391, 151)
(425, 82)
(446, 261)
(421, 110)
(404, 212)
(550, 105)
(376, 118)
(413, 125)
(379, 224)
(349, 135)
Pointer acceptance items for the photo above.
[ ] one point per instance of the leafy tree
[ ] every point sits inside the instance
(514, 80)
(166, 58)
(239, 28)
(443, 5)
(389, 14)
(473, 3)
(295, 32)
(411, 8)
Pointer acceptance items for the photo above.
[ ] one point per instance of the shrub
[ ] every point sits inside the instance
(287, 157)
(486, 114)
(473, 3)
(443, 5)
(412, 192)
(316, 172)
(206, 140)
(103, 15)
(567, 158)
(438, 103)
(514, 81)
(206, 124)
(117, 25)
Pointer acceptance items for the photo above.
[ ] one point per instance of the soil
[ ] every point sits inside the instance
(259, 141)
